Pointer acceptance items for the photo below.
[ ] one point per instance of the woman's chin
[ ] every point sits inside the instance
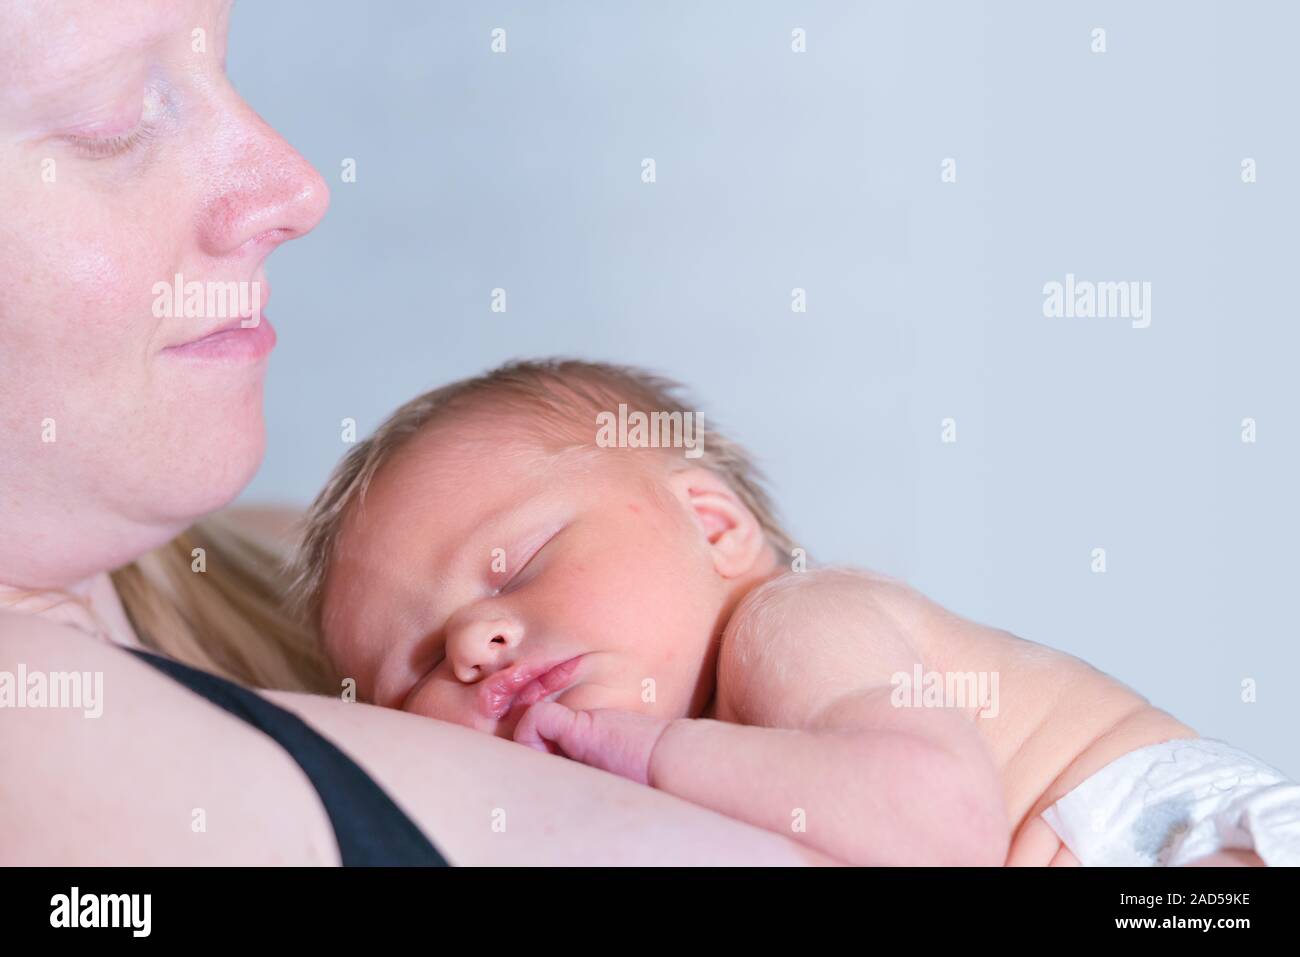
(205, 476)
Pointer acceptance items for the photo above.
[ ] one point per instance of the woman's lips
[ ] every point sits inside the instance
(233, 341)
(524, 685)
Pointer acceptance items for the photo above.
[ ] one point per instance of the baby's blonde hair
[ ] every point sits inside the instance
(564, 397)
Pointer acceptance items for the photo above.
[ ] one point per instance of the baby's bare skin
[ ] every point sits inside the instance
(1058, 720)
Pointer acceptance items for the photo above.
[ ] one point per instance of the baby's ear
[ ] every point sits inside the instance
(733, 533)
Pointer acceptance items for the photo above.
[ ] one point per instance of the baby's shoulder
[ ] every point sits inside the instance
(802, 638)
(833, 595)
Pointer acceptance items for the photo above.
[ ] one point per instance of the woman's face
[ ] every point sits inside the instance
(128, 160)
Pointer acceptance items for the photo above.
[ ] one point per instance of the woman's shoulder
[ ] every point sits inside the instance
(88, 727)
(46, 664)
(24, 634)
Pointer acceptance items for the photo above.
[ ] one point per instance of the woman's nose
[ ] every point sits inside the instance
(481, 646)
(258, 187)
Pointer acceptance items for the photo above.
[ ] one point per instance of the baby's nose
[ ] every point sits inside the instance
(484, 646)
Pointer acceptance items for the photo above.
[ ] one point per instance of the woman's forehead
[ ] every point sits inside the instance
(46, 46)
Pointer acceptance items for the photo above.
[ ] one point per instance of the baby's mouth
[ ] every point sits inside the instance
(520, 686)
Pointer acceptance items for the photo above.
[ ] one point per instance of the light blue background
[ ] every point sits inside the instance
(822, 170)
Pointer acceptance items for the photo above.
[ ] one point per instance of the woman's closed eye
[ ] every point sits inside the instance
(104, 147)
(94, 144)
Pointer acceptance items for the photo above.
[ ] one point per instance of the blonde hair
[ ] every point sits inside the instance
(232, 618)
(557, 393)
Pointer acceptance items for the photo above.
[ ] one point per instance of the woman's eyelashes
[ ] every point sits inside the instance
(105, 147)
(100, 146)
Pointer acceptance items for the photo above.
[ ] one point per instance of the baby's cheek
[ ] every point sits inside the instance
(432, 702)
(674, 683)
(588, 697)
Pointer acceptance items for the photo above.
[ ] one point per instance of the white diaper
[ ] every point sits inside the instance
(1173, 802)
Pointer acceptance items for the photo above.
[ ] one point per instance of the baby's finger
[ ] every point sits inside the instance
(545, 723)
(525, 733)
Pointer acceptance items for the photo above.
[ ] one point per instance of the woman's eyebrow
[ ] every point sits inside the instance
(58, 76)
(124, 36)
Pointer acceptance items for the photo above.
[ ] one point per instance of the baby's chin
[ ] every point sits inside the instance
(589, 697)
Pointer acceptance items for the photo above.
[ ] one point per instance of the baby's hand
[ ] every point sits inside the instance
(617, 741)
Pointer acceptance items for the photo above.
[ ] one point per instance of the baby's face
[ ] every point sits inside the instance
(482, 576)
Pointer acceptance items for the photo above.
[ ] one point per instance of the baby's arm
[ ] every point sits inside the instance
(809, 744)
(805, 669)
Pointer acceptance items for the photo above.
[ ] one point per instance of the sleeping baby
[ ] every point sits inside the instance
(555, 553)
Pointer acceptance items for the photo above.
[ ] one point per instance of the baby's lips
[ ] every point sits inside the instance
(554, 680)
(508, 689)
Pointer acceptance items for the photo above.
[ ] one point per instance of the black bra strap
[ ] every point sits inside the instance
(370, 829)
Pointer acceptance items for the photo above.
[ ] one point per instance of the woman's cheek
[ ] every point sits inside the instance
(81, 362)
(98, 297)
